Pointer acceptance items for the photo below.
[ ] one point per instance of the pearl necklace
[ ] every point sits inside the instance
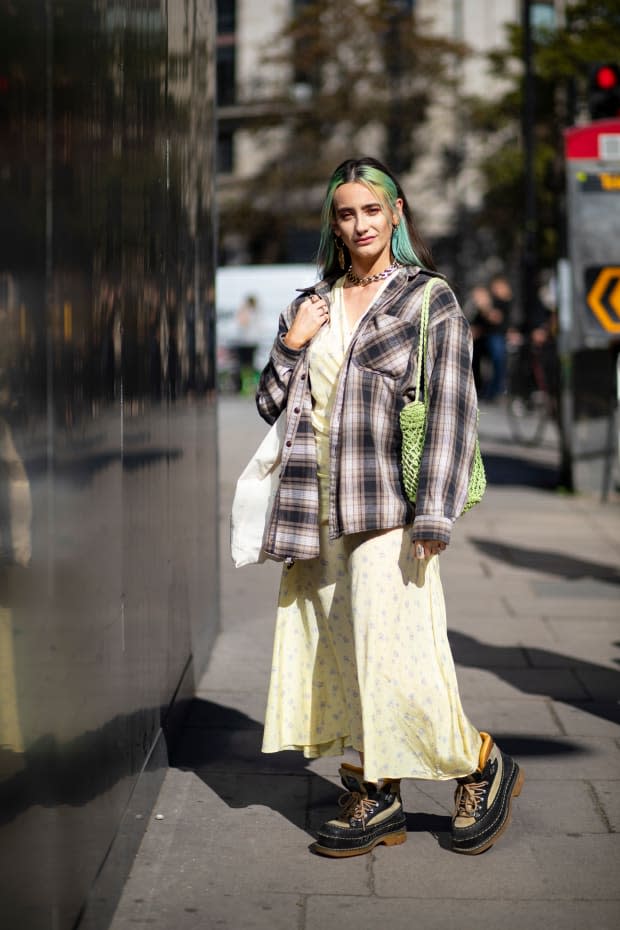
(356, 280)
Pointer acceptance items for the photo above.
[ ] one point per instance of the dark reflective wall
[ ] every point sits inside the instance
(108, 516)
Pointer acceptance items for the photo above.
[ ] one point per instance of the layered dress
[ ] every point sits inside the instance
(361, 656)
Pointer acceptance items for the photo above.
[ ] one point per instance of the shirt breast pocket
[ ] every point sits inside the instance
(386, 348)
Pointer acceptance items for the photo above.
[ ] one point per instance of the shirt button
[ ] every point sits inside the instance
(296, 410)
(302, 377)
(288, 442)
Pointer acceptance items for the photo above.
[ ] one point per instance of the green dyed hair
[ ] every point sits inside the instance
(407, 246)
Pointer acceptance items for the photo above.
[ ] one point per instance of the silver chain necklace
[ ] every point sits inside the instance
(355, 279)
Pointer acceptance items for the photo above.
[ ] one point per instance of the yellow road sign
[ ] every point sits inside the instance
(604, 298)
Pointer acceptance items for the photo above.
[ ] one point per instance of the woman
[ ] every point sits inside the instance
(361, 655)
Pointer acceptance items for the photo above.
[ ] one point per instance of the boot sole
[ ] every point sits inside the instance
(516, 791)
(390, 839)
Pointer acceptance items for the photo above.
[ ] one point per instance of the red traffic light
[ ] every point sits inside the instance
(606, 77)
(604, 90)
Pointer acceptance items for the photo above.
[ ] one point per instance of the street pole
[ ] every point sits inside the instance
(529, 256)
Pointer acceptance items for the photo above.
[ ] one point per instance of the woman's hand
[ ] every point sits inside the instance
(425, 548)
(312, 313)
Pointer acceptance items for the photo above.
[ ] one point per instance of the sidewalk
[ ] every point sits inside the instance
(532, 581)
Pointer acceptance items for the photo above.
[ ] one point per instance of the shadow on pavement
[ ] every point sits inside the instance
(548, 562)
(521, 471)
(437, 825)
(515, 664)
(222, 746)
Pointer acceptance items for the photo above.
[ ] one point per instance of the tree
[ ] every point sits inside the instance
(360, 83)
(562, 60)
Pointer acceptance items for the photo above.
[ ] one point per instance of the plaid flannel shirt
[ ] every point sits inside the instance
(376, 380)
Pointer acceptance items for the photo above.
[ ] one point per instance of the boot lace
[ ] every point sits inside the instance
(469, 797)
(356, 806)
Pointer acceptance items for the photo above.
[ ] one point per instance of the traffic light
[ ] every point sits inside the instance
(604, 91)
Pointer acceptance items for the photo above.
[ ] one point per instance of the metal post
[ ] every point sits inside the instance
(566, 399)
(529, 257)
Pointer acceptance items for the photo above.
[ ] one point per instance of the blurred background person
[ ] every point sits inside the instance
(497, 324)
(477, 305)
(245, 344)
(489, 311)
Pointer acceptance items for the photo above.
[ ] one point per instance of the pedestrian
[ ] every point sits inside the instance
(246, 343)
(477, 307)
(361, 656)
(497, 323)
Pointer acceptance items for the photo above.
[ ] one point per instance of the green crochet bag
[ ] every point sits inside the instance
(413, 426)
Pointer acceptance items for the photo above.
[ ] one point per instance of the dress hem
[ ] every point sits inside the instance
(313, 752)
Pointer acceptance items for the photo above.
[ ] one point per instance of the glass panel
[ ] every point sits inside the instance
(108, 584)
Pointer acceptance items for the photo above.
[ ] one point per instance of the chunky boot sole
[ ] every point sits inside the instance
(482, 842)
(343, 852)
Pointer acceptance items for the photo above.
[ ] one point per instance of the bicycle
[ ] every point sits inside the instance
(531, 396)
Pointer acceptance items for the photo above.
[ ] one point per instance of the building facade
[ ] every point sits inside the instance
(249, 78)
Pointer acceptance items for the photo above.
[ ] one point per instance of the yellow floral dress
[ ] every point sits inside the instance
(361, 656)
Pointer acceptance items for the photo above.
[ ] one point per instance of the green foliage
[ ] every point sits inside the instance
(561, 65)
(361, 80)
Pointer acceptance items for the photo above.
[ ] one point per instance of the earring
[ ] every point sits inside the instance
(340, 252)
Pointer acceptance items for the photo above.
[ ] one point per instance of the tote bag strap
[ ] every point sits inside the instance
(426, 300)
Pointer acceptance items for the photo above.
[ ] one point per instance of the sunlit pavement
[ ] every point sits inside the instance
(532, 581)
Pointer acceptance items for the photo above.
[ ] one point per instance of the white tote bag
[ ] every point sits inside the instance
(254, 496)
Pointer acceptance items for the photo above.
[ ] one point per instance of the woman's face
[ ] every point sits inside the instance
(362, 223)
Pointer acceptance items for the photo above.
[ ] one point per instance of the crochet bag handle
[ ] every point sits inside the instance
(426, 301)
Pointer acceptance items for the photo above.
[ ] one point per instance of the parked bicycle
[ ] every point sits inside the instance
(531, 388)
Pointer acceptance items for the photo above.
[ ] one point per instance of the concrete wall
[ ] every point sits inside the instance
(108, 511)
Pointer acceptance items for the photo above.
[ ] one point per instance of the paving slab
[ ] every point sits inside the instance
(555, 604)
(423, 868)
(530, 866)
(511, 632)
(600, 683)
(200, 909)
(589, 718)
(557, 683)
(212, 706)
(608, 798)
(554, 807)
(578, 643)
(520, 718)
(454, 913)
(534, 627)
